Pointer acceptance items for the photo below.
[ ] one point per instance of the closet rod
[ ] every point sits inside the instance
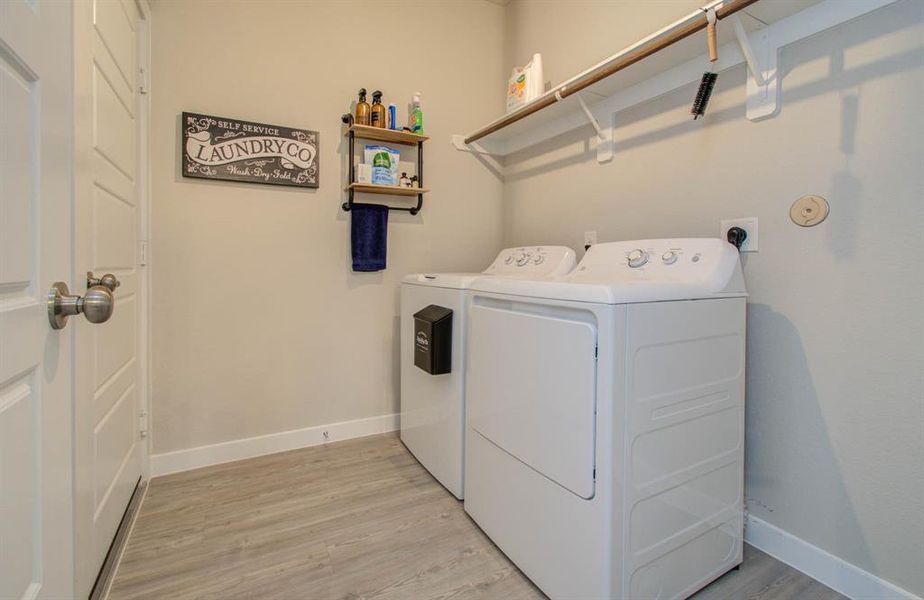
(643, 50)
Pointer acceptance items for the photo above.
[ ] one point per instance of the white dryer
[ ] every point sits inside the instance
(433, 406)
(605, 419)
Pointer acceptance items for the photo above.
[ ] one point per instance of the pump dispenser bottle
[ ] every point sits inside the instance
(378, 110)
(415, 115)
(363, 109)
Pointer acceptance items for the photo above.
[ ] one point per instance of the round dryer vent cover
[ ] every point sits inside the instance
(809, 211)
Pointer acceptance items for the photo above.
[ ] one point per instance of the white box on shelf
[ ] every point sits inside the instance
(363, 173)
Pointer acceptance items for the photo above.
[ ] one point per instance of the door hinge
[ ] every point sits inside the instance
(143, 423)
(596, 352)
(142, 252)
(142, 81)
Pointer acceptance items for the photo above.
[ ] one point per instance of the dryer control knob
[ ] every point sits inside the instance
(669, 257)
(637, 258)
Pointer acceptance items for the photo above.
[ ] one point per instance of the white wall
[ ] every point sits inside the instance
(259, 325)
(835, 424)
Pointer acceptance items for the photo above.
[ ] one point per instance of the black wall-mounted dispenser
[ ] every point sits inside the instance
(433, 339)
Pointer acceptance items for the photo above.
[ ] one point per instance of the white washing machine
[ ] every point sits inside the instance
(605, 419)
(433, 406)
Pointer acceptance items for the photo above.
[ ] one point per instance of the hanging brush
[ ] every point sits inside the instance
(708, 81)
(703, 94)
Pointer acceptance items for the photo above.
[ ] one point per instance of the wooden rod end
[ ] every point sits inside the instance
(713, 45)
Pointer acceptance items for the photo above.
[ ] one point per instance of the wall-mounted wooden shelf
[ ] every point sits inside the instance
(381, 134)
(663, 62)
(371, 188)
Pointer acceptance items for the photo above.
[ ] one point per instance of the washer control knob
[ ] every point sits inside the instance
(522, 259)
(538, 259)
(509, 259)
(669, 257)
(637, 258)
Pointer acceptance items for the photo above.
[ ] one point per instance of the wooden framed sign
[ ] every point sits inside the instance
(220, 148)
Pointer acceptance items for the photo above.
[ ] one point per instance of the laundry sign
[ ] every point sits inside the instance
(221, 148)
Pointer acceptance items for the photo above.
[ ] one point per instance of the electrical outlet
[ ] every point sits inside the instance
(590, 238)
(749, 224)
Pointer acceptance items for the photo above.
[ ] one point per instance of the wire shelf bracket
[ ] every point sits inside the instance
(604, 134)
(485, 147)
(763, 84)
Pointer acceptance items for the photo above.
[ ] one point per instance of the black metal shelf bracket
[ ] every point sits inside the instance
(348, 119)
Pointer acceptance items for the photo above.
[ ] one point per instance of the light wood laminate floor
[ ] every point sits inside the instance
(354, 519)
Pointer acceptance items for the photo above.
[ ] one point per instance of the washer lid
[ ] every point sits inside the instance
(537, 262)
(456, 281)
(525, 262)
(639, 271)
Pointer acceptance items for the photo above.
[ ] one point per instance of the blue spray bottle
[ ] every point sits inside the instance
(392, 116)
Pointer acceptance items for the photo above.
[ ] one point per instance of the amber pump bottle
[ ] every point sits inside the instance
(378, 110)
(362, 109)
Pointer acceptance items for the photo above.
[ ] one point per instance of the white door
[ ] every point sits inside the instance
(531, 389)
(36, 108)
(108, 366)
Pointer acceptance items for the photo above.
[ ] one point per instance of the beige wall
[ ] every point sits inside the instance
(836, 324)
(258, 324)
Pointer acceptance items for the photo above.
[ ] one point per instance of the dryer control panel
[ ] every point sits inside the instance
(636, 271)
(541, 261)
(699, 261)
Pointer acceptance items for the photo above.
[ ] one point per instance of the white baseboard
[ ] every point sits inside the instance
(836, 573)
(214, 454)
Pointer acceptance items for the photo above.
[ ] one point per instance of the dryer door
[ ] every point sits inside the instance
(531, 387)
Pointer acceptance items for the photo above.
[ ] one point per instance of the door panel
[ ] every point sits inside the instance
(114, 26)
(116, 342)
(109, 448)
(531, 390)
(36, 551)
(112, 390)
(113, 125)
(18, 120)
(432, 407)
(113, 443)
(19, 477)
(117, 216)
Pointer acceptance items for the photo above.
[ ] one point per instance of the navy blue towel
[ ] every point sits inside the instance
(369, 236)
